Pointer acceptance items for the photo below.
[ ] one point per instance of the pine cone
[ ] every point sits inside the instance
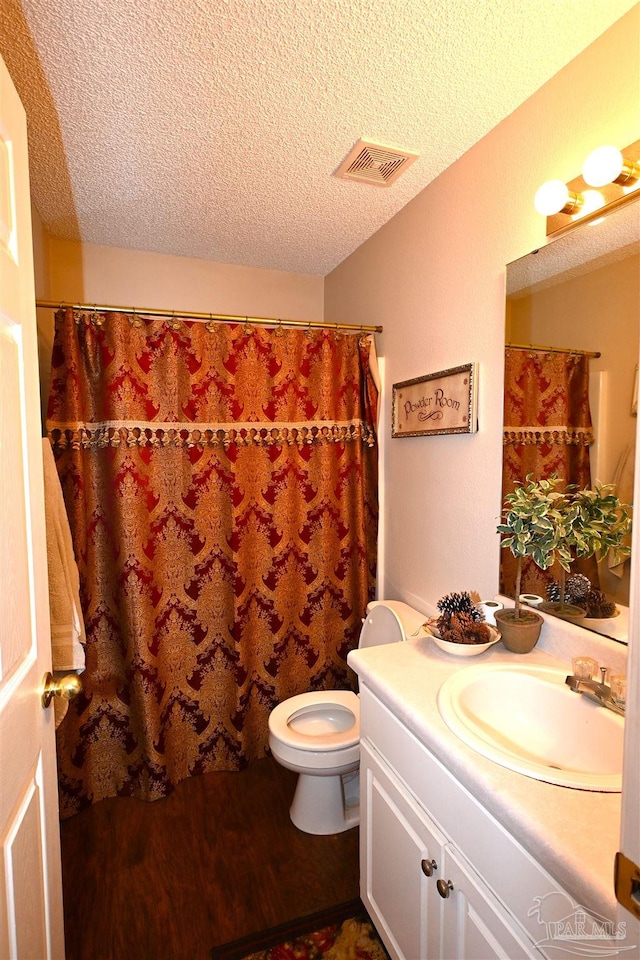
(462, 628)
(597, 605)
(553, 591)
(454, 603)
(577, 587)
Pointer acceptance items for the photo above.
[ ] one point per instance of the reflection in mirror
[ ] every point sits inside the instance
(571, 393)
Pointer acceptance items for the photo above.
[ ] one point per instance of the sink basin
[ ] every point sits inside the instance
(526, 718)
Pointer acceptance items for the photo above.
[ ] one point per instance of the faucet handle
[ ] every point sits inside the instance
(618, 684)
(585, 668)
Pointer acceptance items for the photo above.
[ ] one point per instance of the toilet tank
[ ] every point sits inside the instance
(390, 621)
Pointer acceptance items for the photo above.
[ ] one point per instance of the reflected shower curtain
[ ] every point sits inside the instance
(547, 430)
(221, 485)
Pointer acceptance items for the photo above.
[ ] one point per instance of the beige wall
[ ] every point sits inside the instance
(40, 254)
(434, 277)
(42, 288)
(84, 273)
(89, 273)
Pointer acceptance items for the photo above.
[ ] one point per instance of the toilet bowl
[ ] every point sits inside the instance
(317, 735)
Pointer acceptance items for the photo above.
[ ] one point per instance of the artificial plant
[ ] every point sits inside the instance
(596, 522)
(547, 525)
(533, 525)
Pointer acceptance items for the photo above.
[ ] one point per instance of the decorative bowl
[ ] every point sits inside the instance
(595, 622)
(462, 649)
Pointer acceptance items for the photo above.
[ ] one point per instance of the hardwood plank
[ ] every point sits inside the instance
(216, 861)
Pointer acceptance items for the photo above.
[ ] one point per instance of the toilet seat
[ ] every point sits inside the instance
(308, 704)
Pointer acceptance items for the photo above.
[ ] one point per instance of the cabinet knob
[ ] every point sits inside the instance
(444, 888)
(428, 866)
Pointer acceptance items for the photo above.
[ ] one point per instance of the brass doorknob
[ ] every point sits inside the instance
(67, 687)
(428, 866)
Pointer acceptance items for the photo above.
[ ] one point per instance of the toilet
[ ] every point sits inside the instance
(318, 734)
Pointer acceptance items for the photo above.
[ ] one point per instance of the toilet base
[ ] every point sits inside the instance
(325, 805)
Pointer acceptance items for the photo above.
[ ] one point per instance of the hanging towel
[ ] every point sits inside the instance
(67, 625)
(623, 482)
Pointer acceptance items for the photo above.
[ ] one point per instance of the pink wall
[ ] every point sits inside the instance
(434, 278)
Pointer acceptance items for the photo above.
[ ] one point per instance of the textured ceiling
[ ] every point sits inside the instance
(212, 128)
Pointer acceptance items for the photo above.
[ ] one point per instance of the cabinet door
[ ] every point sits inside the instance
(475, 925)
(397, 845)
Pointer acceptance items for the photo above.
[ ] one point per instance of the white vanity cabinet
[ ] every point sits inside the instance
(406, 861)
(440, 877)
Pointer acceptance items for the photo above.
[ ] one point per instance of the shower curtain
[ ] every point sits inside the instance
(221, 486)
(547, 430)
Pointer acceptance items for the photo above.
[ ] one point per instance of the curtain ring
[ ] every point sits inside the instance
(279, 332)
(247, 327)
(307, 332)
(96, 320)
(336, 333)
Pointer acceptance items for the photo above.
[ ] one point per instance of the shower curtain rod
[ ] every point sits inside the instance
(532, 346)
(218, 317)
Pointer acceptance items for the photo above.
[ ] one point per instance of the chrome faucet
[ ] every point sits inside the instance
(597, 690)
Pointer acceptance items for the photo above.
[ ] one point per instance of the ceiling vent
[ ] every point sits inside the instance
(372, 163)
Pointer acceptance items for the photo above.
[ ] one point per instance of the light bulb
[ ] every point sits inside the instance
(602, 166)
(555, 197)
(591, 200)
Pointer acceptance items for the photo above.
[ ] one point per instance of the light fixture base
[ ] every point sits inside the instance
(614, 194)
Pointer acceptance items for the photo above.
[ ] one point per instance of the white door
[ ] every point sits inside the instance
(31, 924)
(630, 831)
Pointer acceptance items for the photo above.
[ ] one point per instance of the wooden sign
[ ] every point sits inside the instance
(444, 402)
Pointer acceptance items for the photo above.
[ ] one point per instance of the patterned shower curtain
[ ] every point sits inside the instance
(547, 430)
(221, 486)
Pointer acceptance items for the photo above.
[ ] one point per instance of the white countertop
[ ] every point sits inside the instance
(573, 834)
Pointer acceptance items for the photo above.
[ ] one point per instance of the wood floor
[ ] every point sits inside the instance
(217, 860)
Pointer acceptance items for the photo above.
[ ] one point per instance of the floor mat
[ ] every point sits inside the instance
(344, 932)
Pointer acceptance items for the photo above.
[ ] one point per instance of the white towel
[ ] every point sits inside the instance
(67, 624)
(623, 483)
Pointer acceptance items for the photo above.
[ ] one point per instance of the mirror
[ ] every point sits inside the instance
(581, 293)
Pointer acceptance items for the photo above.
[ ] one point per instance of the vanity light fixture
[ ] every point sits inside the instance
(592, 200)
(554, 196)
(607, 165)
(616, 177)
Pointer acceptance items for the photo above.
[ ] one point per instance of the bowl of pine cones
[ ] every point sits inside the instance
(460, 629)
(578, 591)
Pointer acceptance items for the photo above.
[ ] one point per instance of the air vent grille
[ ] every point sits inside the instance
(375, 164)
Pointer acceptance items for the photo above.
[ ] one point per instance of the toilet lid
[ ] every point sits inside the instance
(381, 625)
